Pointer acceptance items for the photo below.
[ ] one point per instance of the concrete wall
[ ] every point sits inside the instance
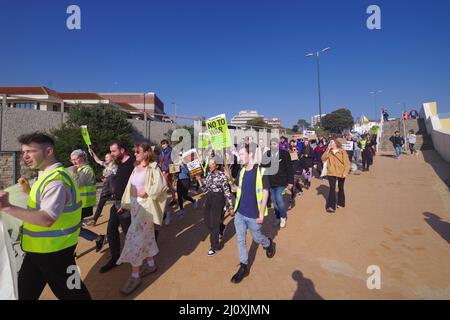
(158, 129)
(439, 134)
(15, 122)
(12, 168)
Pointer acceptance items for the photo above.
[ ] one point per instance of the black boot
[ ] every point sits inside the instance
(108, 266)
(270, 250)
(240, 274)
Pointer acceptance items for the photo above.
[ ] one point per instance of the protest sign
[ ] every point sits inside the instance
(192, 160)
(85, 134)
(218, 130)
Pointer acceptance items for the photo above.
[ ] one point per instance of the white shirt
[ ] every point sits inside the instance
(411, 138)
(55, 195)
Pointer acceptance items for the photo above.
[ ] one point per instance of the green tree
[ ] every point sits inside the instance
(338, 121)
(301, 124)
(105, 124)
(258, 122)
(320, 132)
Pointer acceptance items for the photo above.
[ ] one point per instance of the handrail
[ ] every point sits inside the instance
(380, 132)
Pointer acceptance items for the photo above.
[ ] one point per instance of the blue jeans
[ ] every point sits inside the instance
(276, 194)
(398, 151)
(356, 155)
(241, 224)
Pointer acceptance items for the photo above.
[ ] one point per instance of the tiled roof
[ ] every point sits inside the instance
(27, 91)
(80, 96)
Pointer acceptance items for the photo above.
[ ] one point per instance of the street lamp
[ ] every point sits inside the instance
(403, 105)
(375, 101)
(175, 105)
(317, 54)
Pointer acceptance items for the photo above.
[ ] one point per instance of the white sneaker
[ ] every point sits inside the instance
(283, 223)
(276, 222)
(167, 219)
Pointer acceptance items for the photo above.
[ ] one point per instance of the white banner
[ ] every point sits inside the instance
(308, 133)
(11, 254)
(348, 146)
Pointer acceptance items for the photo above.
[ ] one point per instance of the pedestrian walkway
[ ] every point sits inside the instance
(397, 217)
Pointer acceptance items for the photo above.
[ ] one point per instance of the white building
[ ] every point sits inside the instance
(45, 99)
(316, 119)
(244, 116)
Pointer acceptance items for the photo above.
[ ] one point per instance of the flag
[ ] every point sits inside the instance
(365, 120)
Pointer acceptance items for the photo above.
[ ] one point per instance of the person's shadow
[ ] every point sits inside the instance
(323, 190)
(305, 288)
(438, 225)
(179, 239)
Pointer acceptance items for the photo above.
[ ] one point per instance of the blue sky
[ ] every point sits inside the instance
(214, 56)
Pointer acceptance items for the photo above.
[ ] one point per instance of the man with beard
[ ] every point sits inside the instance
(118, 215)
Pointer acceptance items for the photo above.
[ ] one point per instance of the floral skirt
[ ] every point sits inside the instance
(140, 241)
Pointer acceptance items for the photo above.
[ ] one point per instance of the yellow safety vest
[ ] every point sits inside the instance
(205, 168)
(88, 192)
(259, 189)
(64, 232)
(363, 144)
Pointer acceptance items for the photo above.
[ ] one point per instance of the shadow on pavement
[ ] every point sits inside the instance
(178, 239)
(305, 288)
(441, 227)
(323, 190)
(386, 155)
(175, 241)
(439, 165)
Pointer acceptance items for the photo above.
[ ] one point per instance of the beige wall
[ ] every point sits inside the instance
(445, 123)
(438, 129)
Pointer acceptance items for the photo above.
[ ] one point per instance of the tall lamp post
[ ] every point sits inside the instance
(317, 54)
(403, 106)
(175, 106)
(375, 101)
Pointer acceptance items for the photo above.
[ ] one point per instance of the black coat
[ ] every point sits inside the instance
(307, 157)
(285, 173)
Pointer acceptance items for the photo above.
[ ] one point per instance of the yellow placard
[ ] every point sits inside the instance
(85, 134)
(218, 130)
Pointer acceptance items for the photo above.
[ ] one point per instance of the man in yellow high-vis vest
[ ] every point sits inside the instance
(250, 209)
(51, 225)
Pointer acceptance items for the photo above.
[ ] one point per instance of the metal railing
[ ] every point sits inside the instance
(380, 132)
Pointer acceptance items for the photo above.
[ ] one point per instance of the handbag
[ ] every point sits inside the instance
(324, 170)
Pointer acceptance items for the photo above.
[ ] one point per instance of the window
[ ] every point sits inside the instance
(55, 107)
(25, 105)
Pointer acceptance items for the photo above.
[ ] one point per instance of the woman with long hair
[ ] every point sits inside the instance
(338, 167)
(218, 196)
(145, 197)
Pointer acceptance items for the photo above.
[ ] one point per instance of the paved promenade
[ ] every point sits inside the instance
(397, 217)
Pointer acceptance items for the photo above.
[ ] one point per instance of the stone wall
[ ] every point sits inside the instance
(7, 175)
(16, 122)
